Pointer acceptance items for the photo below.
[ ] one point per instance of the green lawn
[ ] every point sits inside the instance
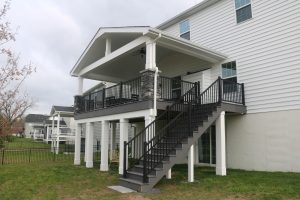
(25, 143)
(64, 181)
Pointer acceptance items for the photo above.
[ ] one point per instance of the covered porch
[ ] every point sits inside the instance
(141, 66)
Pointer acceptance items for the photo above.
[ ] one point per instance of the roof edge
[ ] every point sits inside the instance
(183, 15)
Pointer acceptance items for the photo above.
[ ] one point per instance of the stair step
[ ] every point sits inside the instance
(137, 176)
(131, 183)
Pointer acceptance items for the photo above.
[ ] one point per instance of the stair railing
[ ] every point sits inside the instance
(133, 149)
(183, 123)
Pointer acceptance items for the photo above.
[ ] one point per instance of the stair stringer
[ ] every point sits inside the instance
(182, 153)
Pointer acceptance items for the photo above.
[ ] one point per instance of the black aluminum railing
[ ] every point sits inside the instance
(131, 91)
(135, 146)
(178, 122)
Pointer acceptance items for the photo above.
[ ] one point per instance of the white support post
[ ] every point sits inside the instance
(108, 46)
(104, 145)
(57, 133)
(191, 164)
(123, 137)
(52, 133)
(169, 174)
(111, 141)
(89, 143)
(77, 144)
(150, 55)
(80, 86)
(47, 133)
(220, 145)
(148, 120)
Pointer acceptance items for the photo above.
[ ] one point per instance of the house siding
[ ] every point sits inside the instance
(266, 48)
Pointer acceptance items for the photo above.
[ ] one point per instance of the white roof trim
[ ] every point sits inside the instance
(137, 42)
(185, 14)
(106, 30)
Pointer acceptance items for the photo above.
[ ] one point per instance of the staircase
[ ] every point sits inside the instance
(164, 142)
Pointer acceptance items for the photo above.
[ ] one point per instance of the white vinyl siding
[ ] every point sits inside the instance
(266, 49)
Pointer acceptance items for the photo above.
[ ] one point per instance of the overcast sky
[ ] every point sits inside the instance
(52, 34)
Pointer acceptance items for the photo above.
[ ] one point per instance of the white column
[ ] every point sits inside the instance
(80, 86)
(169, 174)
(191, 164)
(47, 133)
(220, 145)
(57, 133)
(77, 144)
(148, 120)
(104, 145)
(150, 55)
(52, 133)
(108, 46)
(89, 142)
(123, 137)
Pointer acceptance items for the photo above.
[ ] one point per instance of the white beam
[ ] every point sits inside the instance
(191, 164)
(104, 145)
(77, 145)
(220, 145)
(123, 137)
(89, 142)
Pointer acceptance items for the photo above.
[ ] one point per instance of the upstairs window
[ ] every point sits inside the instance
(229, 76)
(185, 29)
(243, 10)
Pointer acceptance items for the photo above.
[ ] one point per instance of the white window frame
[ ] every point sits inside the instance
(236, 72)
(236, 9)
(189, 31)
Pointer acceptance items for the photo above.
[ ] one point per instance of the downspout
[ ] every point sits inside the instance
(155, 80)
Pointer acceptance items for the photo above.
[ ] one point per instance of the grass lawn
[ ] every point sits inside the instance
(25, 143)
(64, 181)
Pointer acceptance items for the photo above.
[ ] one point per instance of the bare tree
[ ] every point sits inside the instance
(13, 101)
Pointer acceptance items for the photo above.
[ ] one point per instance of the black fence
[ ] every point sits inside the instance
(43, 154)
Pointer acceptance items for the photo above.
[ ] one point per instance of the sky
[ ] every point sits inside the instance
(52, 34)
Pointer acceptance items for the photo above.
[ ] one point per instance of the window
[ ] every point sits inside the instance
(184, 28)
(229, 76)
(243, 10)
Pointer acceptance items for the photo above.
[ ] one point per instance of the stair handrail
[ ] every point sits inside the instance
(194, 91)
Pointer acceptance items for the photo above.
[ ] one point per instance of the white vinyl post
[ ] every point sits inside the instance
(148, 120)
(169, 174)
(191, 164)
(123, 137)
(89, 143)
(80, 86)
(220, 145)
(77, 144)
(104, 145)
(58, 133)
(107, 46)
(52, 133)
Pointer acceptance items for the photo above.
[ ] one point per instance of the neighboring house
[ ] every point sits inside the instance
(218, 83)
(34, 126)
(60, 127)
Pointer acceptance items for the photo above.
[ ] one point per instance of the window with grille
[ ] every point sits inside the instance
(184, 29)
(243, 10)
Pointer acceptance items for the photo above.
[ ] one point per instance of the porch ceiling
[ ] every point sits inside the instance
(125, 62)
